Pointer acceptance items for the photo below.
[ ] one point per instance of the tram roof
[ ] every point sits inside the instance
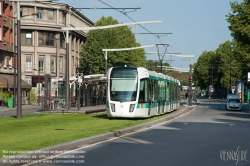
(92, 77)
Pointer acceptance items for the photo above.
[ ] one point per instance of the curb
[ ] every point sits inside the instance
(61, 111)
(73, 145)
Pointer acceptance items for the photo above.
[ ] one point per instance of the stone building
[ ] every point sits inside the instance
(43, 46)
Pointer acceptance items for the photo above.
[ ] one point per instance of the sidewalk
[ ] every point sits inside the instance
(86, 110)
(23, 107)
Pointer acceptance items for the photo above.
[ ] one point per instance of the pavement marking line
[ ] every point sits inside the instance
(39, 161)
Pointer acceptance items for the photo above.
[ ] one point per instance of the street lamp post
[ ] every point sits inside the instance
(14, 100)
(19, 90)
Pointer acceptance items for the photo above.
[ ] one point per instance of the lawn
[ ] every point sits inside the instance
(37, 131)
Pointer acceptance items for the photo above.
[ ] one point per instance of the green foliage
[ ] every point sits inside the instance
(92, 57)
(239, 21)
(184, 82)
(223, 67)
(230, 62)
(203, 69)
(32, 95)
(153, 65)
(4, 95)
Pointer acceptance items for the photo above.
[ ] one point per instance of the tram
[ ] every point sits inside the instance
(135, 92)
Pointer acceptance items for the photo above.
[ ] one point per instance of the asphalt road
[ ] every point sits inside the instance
(208, 135)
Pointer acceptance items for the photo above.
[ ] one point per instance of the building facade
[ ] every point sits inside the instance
(43, 46)
(7, 54)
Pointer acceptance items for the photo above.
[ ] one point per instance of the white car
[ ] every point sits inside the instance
(232, 96)
(233, 104)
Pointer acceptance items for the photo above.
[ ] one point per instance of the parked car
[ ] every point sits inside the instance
(232, 96)
(233, 103)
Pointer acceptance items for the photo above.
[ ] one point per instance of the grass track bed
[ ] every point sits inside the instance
(37, 131)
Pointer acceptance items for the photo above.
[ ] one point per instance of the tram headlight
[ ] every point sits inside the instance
(112, 107)
(132, 107)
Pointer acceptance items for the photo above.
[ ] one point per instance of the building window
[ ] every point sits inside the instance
(77, 45)
(73, 44)
(41, 62)
(39, 13)
(61, 64)
(27, 12)
(62, 41)
(52, 64)
(72, 66)
(46, 39)
(28, 79)
(0, 8)
(26, 37)
(21, 12)
(28, 63)
(51, 14)
(10, 62)
(76, 62)
(5, 61)
(64, 18)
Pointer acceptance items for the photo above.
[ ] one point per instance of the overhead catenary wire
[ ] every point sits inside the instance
(132, 20)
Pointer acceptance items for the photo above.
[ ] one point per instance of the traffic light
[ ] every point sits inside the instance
(190, 81)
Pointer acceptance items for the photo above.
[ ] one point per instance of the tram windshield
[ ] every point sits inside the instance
(123, 84)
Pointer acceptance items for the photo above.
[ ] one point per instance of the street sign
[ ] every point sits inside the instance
(79, 80)
(39, 86)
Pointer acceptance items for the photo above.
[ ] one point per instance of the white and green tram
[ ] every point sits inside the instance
(135, 92)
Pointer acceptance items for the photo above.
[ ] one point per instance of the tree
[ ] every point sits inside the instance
(220, 67)
(239, 21)
(92, 57)
(203, 69)
(230, 64)
(153, 65)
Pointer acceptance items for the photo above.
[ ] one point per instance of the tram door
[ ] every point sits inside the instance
(171, 96)
(150, 93)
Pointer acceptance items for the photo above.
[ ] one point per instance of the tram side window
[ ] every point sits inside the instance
(143, 94)
(167, 91)
(174, 91)
(151, 90)
(156, 90)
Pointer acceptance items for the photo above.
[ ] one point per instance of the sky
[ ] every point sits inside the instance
(196, 25)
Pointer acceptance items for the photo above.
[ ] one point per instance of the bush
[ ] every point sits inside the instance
(32, 96)
(4, 95)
